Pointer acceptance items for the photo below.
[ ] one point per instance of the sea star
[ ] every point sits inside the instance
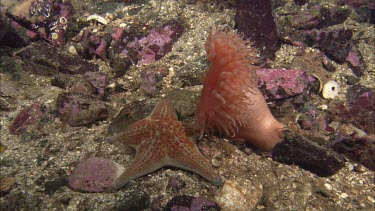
(160, 140)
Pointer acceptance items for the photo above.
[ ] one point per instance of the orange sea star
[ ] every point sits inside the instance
(160, 140)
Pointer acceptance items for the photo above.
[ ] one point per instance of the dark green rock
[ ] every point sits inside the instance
(133, 200)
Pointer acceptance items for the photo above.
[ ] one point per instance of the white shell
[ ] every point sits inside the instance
(98, 18)
(323, 107)
(330, 90)
(72, 50)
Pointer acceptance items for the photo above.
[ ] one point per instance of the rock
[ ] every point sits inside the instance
(360, 150)
(3, 148)
(94, 175)
(278, 84)
(184, 101)
(312, 118)
(8, 95)
(51, 187)
(255, 20)
(239, 194)
(335, 43)
(47, 19)
(101, 50)
(190, 203)
(306, 19)
(90, 83)
(191, 73)
(355, 61)
(339, 45)
(351, 80)
(21, 10)
(48, 60)
(8, 89)
(4, 25)
(364, 10)
(130, 114)
(98, 80)
(319, 17)
(147, 48)
(297, 194)
(298, 150)
(301, 2)
(150, 81)
(79, 109)
(87, 42)
(175, 183)
(158, 42)
(7, 184)
(358, 109)
(79, 85)
(117, 34)
(133, 200)
(17, 36)
(31, 116)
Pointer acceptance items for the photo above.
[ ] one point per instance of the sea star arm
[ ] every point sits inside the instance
(146, 160)
(134, 134)
(163, 110)
(186, 155)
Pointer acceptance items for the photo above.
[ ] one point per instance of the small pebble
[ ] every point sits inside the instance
(358, 132)
(72, 50)
(362, 204)
(328, 186)
(133, 199)
(344, 195)
(334, 125)
(2, 148)
(370, 199)
(238, 194)
(359, 168)
(215, 162)
(185, 202)
(176, 183)
(7, 184)
(352, 80)
(349, 166)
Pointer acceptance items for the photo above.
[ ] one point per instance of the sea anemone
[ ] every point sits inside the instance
(230, 101)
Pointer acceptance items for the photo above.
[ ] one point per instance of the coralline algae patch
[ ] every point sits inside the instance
(278, 83)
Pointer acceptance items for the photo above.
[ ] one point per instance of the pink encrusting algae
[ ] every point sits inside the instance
(230, 101)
